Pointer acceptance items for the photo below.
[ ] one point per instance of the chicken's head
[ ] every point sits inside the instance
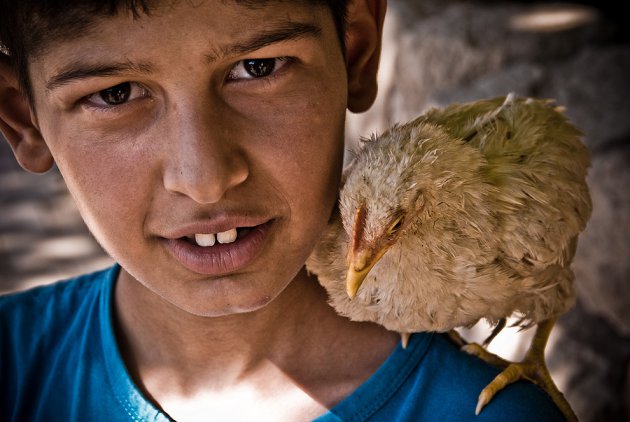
(393, 189)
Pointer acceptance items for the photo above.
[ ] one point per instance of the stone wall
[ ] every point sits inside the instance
(439, 52)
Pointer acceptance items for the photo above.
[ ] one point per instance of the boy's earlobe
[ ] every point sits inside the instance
(17, 126)
(363, 37)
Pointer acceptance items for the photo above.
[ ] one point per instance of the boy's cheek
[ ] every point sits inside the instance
(305, 146)
(299, 133)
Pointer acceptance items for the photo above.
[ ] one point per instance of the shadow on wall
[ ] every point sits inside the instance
(42, 236)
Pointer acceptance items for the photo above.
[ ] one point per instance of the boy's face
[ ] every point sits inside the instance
(162, 131)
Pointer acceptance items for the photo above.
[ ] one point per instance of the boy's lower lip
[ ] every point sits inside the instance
(220, 259)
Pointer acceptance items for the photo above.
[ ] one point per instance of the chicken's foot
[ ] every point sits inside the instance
(532, 368)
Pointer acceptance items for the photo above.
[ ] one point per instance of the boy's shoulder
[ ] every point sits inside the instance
(59, 359)
(57, 294)
(459, 378)
(433, 380)
(42, 313)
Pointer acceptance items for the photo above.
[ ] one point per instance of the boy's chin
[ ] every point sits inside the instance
(231, 309)
(220, 305)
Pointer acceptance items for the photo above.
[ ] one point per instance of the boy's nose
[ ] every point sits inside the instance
(202, 161)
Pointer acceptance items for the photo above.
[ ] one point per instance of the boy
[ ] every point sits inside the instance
(202, 142)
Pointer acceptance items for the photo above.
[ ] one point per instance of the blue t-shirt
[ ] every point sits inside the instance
(59, 361)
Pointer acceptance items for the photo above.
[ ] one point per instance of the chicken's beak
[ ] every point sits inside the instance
(361, 257)
(359, 265)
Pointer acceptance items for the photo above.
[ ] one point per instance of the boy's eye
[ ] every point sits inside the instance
(256, 68)
(259, 68)
(116, 95)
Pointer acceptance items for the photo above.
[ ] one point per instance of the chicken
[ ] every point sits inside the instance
(466, 213)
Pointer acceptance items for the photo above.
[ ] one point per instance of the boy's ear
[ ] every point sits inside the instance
(16, 123)
(363, 36)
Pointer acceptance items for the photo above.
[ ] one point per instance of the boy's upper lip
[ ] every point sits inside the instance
(215, 224)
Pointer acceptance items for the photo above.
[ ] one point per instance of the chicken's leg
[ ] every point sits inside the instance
(495, 331)
(532, 368)
(460, 342)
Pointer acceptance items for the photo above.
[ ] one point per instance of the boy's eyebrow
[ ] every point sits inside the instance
(82, 71)
(284, 31)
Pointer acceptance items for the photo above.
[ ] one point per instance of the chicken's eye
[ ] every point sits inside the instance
(395, 225)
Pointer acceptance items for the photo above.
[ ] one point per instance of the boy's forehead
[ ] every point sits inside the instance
(223, 32)
(72, 23)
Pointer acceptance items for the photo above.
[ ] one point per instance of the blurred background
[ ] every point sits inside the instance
(436, 52)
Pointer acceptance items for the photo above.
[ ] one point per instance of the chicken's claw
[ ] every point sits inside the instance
(456, 338)
(404, 339)
(532, 368)
(534, 371)
(476, 349)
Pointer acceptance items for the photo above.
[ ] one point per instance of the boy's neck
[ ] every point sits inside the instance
(158, 331)
(297, 338)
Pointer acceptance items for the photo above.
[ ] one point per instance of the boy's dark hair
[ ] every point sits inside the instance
(27, 26)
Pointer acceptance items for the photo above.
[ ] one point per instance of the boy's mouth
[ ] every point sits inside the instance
(210, 239)
(221, 252)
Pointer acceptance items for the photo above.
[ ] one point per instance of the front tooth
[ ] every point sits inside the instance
(227, 236)
(203, 239)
